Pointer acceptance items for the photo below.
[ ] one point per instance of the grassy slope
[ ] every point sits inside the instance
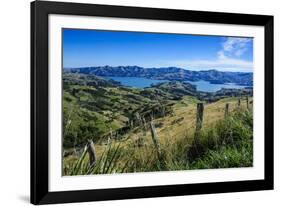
(176, 135)
(103, 112)
(182, 121)
(91, 112)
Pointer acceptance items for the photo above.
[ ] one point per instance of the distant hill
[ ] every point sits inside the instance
(168, 73)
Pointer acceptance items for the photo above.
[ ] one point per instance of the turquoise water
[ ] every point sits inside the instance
(205, 86)
(139, 82)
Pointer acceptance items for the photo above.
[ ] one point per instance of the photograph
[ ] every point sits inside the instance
(155, 102)
(131, 102)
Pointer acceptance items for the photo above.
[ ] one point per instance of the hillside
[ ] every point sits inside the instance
(183, 118)
(219, 142)
(168, 73)
(96, 107)
(118, 119)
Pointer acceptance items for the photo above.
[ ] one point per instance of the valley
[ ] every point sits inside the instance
(152, 128)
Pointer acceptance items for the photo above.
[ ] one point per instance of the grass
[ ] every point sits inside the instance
(222, 143)
(228, 144)
(107, 162)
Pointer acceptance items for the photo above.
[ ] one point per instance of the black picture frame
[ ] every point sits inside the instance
(39, 102)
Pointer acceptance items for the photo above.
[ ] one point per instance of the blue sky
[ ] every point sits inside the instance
(83, 48)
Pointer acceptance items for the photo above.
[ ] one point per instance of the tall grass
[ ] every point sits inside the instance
(107, 163)
(228, 143)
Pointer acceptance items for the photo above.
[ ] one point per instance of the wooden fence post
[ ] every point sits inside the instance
(247, 101)
(151, 117)
(199, 116)
(92, 153)
(131, 123)
(138, 118)
(163, 111)
(144, 123)
(155, 139)
(239, 102)
(111, 133)
(226, 110)
(199, 121)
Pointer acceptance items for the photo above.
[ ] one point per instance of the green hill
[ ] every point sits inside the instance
(118, 120)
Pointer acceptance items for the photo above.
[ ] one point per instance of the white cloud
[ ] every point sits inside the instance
(234, 46)
(221, 55)
(228, 58)
(223, 64)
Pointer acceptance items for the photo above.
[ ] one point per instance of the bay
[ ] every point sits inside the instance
(206, 86)
(140, 82)
(137, 82)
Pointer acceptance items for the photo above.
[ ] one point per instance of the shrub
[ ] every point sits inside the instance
(228, 144)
